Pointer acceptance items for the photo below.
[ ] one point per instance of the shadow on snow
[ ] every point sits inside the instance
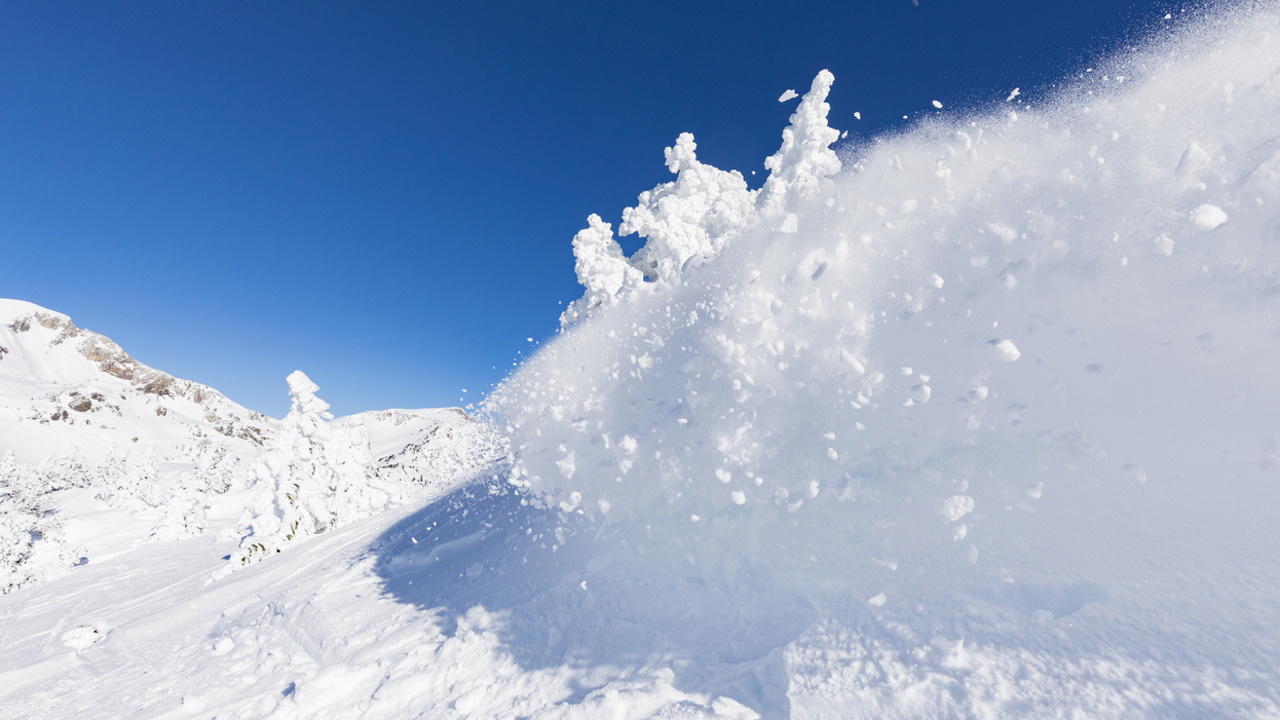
(577, 593)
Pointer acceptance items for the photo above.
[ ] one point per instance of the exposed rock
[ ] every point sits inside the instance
(53, 322)
(132, 386)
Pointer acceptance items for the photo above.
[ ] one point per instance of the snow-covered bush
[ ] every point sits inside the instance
(185, 512)
(60, 472)
(32, 545)
(217, 467)
(132, 487)
(315, 478)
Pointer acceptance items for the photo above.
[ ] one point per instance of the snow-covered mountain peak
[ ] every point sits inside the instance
(13, 310)
(52, 371)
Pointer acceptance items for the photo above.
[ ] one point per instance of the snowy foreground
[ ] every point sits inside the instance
(979, 420)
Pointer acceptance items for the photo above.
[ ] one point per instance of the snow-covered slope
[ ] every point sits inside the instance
(64, 388)
(415, 446)
(100, 453)
(978, 420)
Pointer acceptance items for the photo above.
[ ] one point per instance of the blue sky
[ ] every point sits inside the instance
(383, 194)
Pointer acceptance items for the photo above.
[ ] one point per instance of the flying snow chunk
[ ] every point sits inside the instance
(788, 95)
(937, 104)
(857, 116)
(878, 600)
(1208, 217)
(956, 507)
(1004, 350)
(1016, 92)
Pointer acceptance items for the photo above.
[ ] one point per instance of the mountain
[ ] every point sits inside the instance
(102, 453)
(65, 388)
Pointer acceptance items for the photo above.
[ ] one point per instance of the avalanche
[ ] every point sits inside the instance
(976, 420)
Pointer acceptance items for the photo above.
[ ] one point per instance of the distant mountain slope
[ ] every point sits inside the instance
(100, 453)
(63, 388)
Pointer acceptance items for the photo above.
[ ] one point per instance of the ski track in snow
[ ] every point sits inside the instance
(983, 426)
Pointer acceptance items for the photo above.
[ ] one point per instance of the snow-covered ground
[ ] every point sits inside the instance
(978, 420)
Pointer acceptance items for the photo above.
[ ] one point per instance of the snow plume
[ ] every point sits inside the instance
(911, 383)
(315, 478)
(689, 221)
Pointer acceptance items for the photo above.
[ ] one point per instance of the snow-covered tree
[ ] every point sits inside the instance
(185, 512)
(602, 269)
(132, 487)
(691, 218)
(800, 168)
(60, 472)
(688, 222)
(315, 478)
(216, 466)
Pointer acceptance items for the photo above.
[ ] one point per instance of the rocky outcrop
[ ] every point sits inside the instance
(77, 398)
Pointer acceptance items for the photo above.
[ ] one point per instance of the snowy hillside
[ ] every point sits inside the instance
(60, 381)
(100, 453)
(977, 420)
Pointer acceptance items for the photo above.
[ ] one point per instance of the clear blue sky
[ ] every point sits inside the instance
(383, 194)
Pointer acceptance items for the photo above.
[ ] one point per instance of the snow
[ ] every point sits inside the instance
(790, 94)
(1004, 350)
(1208, 217)
(776, 466)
